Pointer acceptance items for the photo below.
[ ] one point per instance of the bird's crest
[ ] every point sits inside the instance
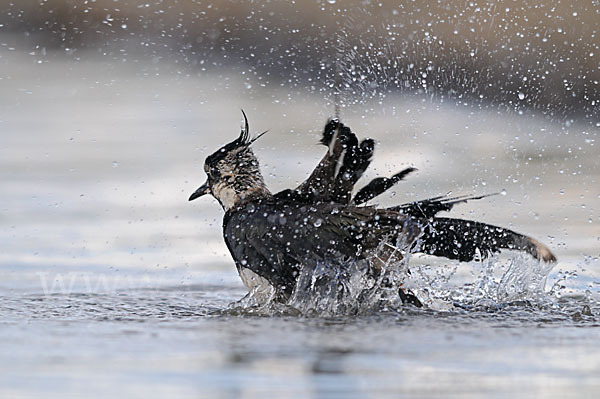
(244, 140)
(238, 148)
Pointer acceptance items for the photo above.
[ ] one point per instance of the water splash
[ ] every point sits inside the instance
(337, 287)
(517, 278)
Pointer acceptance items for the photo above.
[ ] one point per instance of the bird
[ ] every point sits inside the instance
(273, 237)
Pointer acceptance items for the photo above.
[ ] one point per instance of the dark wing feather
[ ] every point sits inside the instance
(428, 208)
(355, 161)
(378, 186)
(464, 239)
(319, 184)
(344, 163)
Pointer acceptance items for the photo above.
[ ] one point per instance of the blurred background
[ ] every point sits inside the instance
(541, 55)
(108, 109)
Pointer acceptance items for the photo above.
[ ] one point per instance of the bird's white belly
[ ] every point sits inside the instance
(259, 287)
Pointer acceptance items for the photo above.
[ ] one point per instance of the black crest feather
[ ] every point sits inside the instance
(244, 138)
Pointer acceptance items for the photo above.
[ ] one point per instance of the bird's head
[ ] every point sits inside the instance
(233, 172)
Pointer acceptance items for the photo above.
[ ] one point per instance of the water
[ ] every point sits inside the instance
(174, 342)
(113, 284)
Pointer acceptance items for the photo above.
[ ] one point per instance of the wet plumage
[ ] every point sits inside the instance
(272, 237)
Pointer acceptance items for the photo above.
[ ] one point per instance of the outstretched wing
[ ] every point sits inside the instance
(340, 169)
(464, 239)
(344, 163)
(333, 181)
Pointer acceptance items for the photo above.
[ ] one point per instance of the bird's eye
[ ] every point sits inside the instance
(211, 171)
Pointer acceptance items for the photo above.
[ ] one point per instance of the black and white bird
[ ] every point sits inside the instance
(272, 237)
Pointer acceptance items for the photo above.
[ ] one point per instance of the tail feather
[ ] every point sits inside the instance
(464, 239)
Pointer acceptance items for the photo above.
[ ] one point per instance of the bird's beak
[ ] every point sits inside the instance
(203, 189)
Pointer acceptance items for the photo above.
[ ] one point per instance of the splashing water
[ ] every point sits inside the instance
(519, 278)
(338, 287)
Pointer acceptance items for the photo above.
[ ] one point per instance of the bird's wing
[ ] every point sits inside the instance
(340, 169)
(428, 208)
(343, 164)
(378, 186)
(276, 239)
(464, 239)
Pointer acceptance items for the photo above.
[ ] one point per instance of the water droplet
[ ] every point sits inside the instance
(115, 164)
(331, 1)
(318, 222)
(521, 96)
